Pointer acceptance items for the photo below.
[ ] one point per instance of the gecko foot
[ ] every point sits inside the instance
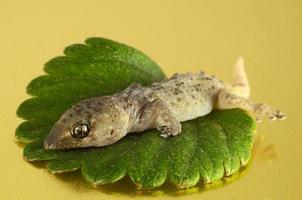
(167, 131)
(263, 109)
(157, 114)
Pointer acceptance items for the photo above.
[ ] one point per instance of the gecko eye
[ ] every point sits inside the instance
(80, 131)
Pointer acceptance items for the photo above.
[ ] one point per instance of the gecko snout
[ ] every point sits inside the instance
(48, 145)
(51, 140)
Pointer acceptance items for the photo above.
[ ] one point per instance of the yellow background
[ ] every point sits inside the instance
(181, 36)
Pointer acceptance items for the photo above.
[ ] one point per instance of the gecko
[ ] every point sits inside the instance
(104, 120)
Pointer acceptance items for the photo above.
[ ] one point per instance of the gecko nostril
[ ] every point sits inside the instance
(47, 144)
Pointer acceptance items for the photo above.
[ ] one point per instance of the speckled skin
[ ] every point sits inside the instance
(188, 95)
(163, 105)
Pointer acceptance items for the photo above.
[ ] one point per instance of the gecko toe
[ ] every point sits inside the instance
(165, 135)
(280, 115)
(166, 131)
(162, 129)
(258, 119)
(272, 117)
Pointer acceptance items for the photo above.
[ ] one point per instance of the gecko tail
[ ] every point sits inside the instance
(240, 77)
(240, 84)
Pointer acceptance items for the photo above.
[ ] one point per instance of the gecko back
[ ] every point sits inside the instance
(188, 95)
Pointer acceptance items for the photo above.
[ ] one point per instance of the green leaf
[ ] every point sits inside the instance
(208, 149)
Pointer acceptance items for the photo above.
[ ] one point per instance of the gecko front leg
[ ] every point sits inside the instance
(157, 114)
(226, 100)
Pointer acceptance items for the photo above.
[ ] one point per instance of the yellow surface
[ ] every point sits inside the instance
(181, 36)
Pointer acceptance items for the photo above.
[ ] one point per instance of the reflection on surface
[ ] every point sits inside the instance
(263, 152)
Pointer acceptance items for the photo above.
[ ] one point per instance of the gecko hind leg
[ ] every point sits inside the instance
(226, 100)
(157, 114)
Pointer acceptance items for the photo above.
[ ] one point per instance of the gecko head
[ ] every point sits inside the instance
(92, 122)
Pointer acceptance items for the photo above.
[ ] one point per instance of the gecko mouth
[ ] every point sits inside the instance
(51, 144)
